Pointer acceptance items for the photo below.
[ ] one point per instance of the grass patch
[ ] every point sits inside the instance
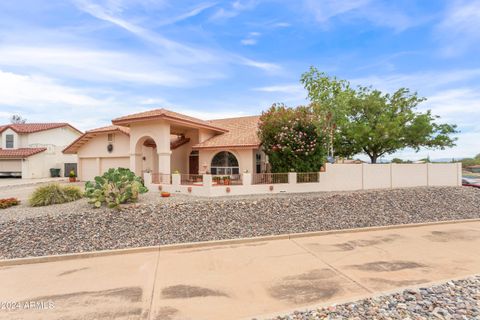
(54, 194)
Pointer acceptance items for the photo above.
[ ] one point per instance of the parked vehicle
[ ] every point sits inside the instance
(470, 183)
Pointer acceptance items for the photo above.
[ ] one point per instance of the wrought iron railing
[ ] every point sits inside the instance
(269, 178)
(191, 179)
(161, 178)
(306, 177)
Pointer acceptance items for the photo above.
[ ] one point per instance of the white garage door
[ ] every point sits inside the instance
(89, 169)
(9, 165)
(120, 162)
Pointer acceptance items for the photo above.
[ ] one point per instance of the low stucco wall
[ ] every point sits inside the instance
(337, 177)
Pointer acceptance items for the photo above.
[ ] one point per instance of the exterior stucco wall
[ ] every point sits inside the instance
(180, 156)
(337, 177)
(16, 137)
(94, 158)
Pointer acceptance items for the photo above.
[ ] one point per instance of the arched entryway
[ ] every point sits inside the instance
(224, 163)
(146, 155)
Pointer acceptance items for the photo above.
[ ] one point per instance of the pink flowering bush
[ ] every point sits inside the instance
(291, 139)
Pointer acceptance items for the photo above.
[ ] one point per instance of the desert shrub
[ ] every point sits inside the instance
(54, 194)
(114, 187)
(8, 202)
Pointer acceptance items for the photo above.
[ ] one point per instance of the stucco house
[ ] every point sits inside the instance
(30, 150)
(163, 141)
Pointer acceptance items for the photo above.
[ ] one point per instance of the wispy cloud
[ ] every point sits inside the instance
(233, 9)
(189, 14)
(179, 52)
(251, 39)
(374, 11)
(458, 30)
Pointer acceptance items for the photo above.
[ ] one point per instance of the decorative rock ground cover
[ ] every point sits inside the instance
(154, 221)
(456, 300)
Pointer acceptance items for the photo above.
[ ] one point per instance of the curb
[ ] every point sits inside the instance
(216, 243)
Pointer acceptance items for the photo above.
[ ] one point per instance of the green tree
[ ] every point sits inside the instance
(477, 156)
(290, 139)
(330, 98)
(378, 124)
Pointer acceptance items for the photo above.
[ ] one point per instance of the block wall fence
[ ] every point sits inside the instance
(336, 177)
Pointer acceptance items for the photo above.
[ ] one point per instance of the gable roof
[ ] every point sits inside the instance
(88, 135)
(19, 153)
(242, 133)
(35, 127)
(167, 115)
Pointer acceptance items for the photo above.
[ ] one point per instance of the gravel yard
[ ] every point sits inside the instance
(452, 300)
(75, 227)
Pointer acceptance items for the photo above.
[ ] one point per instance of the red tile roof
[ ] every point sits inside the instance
(242, 133)
(84, 138)
(19, 153)
(168, 115)
(35, 127)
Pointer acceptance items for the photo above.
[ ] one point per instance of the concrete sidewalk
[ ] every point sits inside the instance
(244, 280)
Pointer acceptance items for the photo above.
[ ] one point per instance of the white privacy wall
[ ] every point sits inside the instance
(337, 177)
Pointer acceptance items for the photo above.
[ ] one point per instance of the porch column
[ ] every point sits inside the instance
(136, 163)
(162, 140)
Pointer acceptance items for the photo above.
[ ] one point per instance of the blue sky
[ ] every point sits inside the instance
(86, 61)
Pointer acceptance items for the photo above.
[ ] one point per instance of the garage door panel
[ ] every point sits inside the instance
(9, 165)
(107, 163)
(89, 169)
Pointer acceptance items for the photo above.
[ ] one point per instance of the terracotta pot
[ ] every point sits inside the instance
(165, 194)
(72, 179)
(271, 188)
(189, 189)
(228, 189)
(226, 182)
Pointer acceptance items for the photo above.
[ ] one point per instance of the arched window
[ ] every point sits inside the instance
(224, 163)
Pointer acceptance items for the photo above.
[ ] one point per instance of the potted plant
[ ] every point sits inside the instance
(165, 194)
(72, 176)
(216, 180)
(226, 180)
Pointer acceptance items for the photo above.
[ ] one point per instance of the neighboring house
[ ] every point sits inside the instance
(30, 150)
(164, 141)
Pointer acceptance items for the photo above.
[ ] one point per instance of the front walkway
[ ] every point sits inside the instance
(243, 280)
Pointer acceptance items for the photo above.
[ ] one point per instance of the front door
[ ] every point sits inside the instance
(193, 164)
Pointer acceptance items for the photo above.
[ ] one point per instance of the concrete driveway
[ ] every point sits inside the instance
(241, 281)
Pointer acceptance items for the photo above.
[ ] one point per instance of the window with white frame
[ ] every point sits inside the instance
(9, 142)
(224, 163)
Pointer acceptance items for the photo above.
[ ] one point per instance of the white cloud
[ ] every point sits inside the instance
(189, 14)
(40, 91)
(233, 10)
(374, 11)
(176, 51)
(251, 39)
(458, 30)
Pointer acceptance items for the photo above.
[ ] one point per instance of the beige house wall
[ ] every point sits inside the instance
(94, 158)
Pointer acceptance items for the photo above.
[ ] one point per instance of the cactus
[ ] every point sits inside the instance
(114, 187)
